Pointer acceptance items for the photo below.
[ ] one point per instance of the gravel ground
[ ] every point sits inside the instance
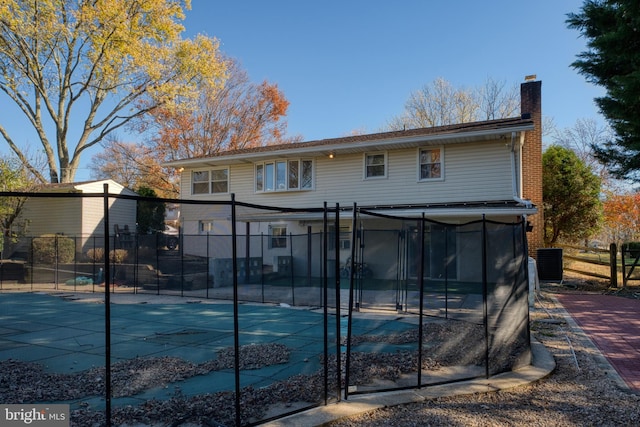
(579, 392)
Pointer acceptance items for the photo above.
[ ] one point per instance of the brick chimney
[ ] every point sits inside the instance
(531, 107)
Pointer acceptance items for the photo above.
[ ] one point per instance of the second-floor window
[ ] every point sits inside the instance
(375, 165)
(210, 181)
(284, 175)
(430, 164)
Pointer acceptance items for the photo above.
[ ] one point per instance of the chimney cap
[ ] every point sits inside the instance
(530, 78)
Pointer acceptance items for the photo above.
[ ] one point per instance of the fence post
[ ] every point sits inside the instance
(107, 308)
(624, 267)
(325, 298)
(421, 228)
(56, 251)
(336, 245)
(485, 296)
(613, 263)
(236, 315)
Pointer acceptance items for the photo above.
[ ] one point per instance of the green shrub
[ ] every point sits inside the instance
(51, 247)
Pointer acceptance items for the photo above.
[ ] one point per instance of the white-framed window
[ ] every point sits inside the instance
(220, 180)
(278, 236)
(200, 182)
(284, 175)
(430, 162)
(345, 237)
(213, 181)
(205, 226)
(375, 165)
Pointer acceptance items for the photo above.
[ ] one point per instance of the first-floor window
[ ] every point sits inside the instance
(345, 237)
(205, 226)
(278, 236)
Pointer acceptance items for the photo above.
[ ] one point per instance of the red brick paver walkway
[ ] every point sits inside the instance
(613, 324)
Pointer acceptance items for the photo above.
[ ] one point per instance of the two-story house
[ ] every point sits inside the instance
(450, 174)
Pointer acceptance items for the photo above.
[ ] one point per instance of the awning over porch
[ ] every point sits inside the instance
(440, 212)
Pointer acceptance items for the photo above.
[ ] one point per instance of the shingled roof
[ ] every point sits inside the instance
(383, 140)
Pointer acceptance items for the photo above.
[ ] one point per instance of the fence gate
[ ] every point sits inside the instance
(627, 270)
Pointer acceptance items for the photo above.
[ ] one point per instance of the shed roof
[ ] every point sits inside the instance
(87, 186)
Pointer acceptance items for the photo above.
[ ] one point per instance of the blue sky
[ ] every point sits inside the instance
(350, 65)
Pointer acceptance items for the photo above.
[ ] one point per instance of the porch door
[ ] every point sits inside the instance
(440, 248)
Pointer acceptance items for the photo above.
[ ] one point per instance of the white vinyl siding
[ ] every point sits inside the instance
(76, 216)
(53, 215)
(472, 172)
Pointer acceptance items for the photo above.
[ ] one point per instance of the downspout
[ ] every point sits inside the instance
(514, 171)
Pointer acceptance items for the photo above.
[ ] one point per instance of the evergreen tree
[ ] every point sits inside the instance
(571, 195)
(612, 31)
(150, 214)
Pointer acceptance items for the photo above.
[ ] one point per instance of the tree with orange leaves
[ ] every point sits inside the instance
(239, 115)
(622, 217)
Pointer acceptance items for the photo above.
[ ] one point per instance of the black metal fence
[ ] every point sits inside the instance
(310, 305)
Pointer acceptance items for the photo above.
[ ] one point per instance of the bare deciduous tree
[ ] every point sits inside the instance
(134, 166)
(240, 114)
(440, 103)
